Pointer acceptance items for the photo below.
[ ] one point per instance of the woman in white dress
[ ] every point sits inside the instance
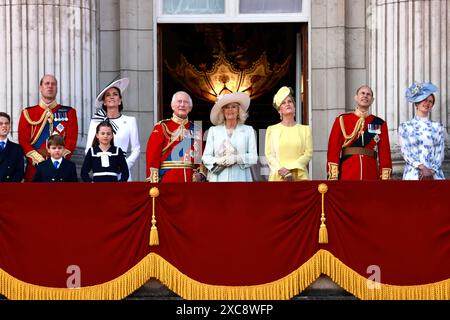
(422, 140)
(109, 108)
(230, 145)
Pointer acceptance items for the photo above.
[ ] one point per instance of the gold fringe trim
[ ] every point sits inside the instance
(283, 289)
(154, 266)
(366, 289)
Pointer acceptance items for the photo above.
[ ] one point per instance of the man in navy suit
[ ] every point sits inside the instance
(56, 168)
(11, 154)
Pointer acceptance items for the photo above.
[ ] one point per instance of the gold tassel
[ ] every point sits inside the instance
(323, 233)
(154, 238)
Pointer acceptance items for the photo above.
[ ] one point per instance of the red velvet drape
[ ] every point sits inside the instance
(224, 233)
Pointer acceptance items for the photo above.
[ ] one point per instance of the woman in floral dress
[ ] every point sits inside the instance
(422, 140)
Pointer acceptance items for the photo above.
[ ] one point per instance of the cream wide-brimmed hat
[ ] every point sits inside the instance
(121, 84)
(239, 97)
(279, 97)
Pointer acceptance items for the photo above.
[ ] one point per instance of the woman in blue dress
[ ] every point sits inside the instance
(230, 149)
(422, 140)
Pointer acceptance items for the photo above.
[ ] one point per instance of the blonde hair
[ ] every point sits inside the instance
(242, 115)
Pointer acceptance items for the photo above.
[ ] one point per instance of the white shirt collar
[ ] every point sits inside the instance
(59, 160)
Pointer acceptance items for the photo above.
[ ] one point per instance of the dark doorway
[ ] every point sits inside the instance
(242, 44)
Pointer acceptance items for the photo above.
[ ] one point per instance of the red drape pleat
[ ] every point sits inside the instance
(231, 234)
(45, 228)
(403, 227)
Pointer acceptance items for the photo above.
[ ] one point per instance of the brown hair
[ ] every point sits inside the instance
(120, 95)
(434, 99)
(47, 75)
(96, 142)
(5, 115)
(56, 140)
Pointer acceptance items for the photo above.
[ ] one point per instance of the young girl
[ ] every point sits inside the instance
(106, 161)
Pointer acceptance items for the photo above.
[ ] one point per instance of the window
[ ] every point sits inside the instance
(230, 11)
(188, 7)
(270, 6)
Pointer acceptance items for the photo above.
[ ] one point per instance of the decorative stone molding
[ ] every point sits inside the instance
(48, 37)
(408, 41)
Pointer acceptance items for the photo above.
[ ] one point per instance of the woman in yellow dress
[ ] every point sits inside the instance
(289, 145)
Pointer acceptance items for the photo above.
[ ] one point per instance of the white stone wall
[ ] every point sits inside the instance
(39, 37)
(126, 50)
(88, 43)
(409, 41)
(338, 67)
(385, 43)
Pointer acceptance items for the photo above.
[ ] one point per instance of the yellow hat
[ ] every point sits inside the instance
(279, 97)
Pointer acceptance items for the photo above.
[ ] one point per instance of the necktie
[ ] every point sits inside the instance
(2, 145)
(56, 164)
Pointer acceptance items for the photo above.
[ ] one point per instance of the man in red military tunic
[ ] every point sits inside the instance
(38, 123)
(174, 149)
(358, 147)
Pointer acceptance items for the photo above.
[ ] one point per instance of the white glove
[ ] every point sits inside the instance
(221, 161)
(230, 160)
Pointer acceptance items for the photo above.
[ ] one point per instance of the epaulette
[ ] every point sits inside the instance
(345, 114)
(377, 120)
(64, 108)
(29, 107)
(162, 121)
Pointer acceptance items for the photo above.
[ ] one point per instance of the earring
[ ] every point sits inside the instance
(281, 116)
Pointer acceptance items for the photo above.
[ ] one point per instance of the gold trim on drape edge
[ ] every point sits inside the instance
(154, 266)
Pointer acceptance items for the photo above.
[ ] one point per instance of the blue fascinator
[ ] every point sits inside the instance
(419, 91)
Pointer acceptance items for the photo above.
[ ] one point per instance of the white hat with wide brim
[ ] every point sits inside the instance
(239, 97)
(121, 84)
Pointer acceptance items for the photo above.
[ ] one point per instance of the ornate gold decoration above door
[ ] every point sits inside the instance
(259, 78)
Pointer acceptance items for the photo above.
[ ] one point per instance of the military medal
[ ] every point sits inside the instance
(60, 127)
(374, 128)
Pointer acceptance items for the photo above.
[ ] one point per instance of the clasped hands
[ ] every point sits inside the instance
(285, 174)
(425, 173)
(227, 160)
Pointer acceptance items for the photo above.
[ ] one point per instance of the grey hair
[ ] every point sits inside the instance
(183, 92)
(364, 86)
(242, 116)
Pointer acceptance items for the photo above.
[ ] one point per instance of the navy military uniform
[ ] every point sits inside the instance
(46, 172)
(11, 163)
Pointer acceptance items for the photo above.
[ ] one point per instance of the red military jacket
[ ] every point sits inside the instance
(359, 149)
(174, 151)
(37, 123)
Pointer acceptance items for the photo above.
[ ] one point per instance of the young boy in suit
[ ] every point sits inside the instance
(11, 154)
(56, 168)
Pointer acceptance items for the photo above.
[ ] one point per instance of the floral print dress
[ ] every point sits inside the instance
(422, 142)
